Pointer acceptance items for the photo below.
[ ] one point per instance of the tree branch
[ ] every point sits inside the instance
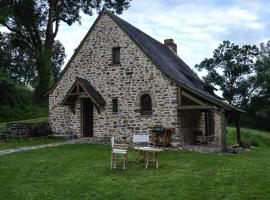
(22, 38)
(56, 28)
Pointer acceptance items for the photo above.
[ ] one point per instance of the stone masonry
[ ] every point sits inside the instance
(134, 76)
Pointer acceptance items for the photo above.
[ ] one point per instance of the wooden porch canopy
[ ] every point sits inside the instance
(82, 87)
(204, 101)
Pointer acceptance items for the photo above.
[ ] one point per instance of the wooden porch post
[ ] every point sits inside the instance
(223, 131)
(238, 134)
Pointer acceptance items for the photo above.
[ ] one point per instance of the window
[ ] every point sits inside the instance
(115, 105)
(116, 55)
(146, 104)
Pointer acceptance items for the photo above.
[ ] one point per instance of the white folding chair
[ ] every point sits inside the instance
(139, 141)
(121, 150)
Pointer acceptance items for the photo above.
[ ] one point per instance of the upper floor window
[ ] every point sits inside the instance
(146, 104)
(116, 55)
(115, 105)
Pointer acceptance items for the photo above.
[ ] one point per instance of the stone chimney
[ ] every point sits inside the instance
(170, 43)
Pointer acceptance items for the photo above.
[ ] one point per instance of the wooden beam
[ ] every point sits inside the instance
(194, 107)
(238, 134)
(223, 131)
(179, 100)
(193, 98)
(77, 93)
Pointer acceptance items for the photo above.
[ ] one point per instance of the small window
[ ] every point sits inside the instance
(146, 104)
(116, 55)
(115, 104)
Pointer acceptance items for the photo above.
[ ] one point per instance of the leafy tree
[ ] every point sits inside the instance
(35, 24)
(20, 65)
(232, 68)
(263, 69)
(259, 107)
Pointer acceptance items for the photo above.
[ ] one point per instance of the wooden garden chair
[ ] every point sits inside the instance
(119, 152)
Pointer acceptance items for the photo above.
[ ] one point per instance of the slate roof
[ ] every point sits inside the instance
(91, 91)
(169, 62)
(165, 59)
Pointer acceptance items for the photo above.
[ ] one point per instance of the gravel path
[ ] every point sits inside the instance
(27, 148)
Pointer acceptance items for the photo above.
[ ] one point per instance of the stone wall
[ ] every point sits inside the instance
(135, 75)
(36, 129)
(218, 132)
(190, 121)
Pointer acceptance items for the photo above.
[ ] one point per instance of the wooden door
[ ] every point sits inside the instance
(87, 118)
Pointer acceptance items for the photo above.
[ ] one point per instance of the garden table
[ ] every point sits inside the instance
(150, 155)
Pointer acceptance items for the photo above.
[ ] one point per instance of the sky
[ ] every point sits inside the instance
(197, 26)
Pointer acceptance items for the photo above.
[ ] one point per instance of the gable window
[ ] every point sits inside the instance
(146, 104)
(115, 105)
(116, 55)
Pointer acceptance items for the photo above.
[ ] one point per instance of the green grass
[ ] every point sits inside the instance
(41, 119)
(32, 142)
(83, 172)
(255, 137)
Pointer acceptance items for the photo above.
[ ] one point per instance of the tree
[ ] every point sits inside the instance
(19, 64)
(35, 23)
(232, 68)
(259, 108)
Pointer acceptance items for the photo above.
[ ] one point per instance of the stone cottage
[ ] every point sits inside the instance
(121, 81)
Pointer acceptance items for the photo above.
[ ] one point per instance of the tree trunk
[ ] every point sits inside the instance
(44, 75)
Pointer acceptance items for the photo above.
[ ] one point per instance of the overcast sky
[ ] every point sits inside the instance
(197, 26)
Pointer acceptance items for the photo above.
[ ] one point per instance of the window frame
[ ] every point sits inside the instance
(115, 105)
(116, 55)
(146, 107)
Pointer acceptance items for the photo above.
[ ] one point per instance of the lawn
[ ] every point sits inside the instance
(83, 172)
(32, 142)
(255, 137)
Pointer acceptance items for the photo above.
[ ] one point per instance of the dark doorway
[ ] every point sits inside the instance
(87, 118)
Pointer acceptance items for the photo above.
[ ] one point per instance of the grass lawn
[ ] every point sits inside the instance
(255, 137)
(33, 142)
(83, 172)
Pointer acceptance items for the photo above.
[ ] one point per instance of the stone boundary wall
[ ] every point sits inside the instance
(31, 129)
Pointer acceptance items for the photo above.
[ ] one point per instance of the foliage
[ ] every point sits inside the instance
(237, 80)
(17, 103)
(7, 136)
(34, 25)
(19, 63)
(83, 172)
(255, 137)
(259, 108)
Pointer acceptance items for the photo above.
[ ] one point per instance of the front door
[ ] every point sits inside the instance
(87, 118)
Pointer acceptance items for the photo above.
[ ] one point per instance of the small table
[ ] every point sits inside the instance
(151, 155)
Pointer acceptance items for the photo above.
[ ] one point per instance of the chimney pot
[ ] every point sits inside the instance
(170, 43)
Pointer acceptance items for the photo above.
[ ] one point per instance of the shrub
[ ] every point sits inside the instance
(18, 104)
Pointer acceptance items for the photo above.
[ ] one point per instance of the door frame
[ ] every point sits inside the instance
(83, 101)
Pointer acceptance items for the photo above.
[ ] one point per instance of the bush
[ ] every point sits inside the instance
(7, 136)
(18, 104)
